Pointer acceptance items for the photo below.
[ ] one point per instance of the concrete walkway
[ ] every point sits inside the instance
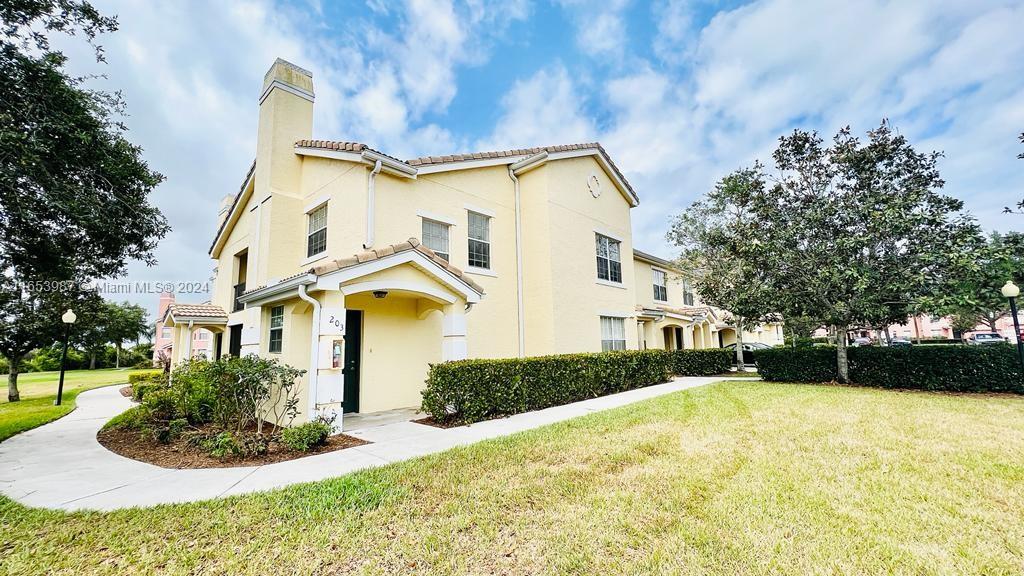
(62, 466)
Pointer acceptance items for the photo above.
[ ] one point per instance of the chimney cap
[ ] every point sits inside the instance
(290, 78)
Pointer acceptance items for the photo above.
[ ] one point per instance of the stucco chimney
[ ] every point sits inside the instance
(286, 116)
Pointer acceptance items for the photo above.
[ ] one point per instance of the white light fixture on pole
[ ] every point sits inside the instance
(68, 318)
(1010, 292)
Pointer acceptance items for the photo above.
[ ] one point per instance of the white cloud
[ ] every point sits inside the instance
(541, 110)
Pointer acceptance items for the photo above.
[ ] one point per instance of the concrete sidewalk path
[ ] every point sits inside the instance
(61, 465)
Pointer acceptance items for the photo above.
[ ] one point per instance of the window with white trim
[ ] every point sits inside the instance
(435, 237)
(660, 287)
(316, 241)
(276, 329)
(687, 294)
(479, 240)
(165, 333)
(609, 262)
(613, 333)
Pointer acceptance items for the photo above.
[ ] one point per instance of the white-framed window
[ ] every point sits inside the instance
(165, 333)
(316, 241)
(660, 287)
(203, 335)
(276, 329)
(479, 240)
(435, 237)
(613, 333)
(609, 261)
(688, 299)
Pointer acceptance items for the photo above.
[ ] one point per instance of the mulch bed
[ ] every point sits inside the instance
(179, 454)
(429, 421)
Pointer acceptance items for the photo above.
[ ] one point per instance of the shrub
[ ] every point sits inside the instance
(224, 444)
(809, 364)
(950, 368)
(306, 436)
(145, 382)
(473, 390)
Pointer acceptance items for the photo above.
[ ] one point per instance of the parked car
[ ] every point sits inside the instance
(862, 341)
(748, 350)
(900, 343)
(985, 338)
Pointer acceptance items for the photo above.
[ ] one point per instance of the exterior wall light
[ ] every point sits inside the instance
(380, 294)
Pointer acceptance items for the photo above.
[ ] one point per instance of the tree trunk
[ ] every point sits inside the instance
(888, 336)
(12, 379)
(117, 356)
(92, 361)
(842, 363)
(739, 345)
(917, 330)
(992, 324)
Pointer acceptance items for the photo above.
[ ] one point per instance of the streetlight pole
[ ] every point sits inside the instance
(1011, 291)
(68, 319)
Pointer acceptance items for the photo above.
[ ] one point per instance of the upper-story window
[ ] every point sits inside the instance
(435, 237)
(316, 242)
(609, 262)
(613, 333)
(276, 329)
(165, 333)
(479, 241)
(660, 288)
(687, 294)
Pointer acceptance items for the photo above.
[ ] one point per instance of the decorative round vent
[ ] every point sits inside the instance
(594, 185)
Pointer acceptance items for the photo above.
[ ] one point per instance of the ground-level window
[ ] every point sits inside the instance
(479, 241)
(276, 328)
(609, 263)
(660, 289)
(435, 237)
(613, 333)
(202, 335)
(316, 241)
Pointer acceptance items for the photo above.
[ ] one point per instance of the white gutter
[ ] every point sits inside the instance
(314, 351)
(393, 166)
(519, 265)
(371, 196)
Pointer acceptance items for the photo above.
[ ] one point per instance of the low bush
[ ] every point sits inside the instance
(474, 390)
(992, 368)
(304, 437)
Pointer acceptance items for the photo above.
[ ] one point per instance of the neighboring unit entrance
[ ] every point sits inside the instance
(235, 340)
(353, 348)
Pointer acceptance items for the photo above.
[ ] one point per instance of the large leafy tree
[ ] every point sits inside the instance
(712, 235)
(74, 192)
(852, 233)
(974, 297)
(124, 322)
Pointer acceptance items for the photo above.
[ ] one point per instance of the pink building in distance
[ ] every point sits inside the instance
(202, 340)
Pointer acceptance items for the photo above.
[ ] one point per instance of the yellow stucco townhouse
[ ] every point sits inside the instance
(363, 269)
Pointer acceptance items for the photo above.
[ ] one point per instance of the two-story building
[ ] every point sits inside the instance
(364, 269)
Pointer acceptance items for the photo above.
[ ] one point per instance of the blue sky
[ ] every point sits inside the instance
(679, 92)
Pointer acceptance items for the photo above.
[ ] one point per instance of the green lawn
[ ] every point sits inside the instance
(39, 390)
(733, 478)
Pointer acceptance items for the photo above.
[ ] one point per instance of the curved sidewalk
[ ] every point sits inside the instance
(61, 465)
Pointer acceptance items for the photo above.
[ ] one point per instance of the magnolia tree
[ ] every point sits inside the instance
(974, 298)
(850, 234)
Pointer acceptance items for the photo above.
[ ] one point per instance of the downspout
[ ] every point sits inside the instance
(188, 341)
(314, 351)
(371, 196)
(519, 266)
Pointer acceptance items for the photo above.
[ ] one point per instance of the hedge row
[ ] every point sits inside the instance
(993, 368)
(473, 390)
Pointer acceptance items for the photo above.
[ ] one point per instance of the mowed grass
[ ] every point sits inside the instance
(733, 478)
(39, 390)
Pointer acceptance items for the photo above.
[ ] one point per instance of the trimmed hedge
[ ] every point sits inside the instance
(143, 383)
(474, 390)
(952, 368)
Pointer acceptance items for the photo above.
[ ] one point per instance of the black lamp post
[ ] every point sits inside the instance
(1011, 291)
(68, 319)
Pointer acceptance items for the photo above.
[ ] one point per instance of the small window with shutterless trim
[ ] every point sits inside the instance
(276, 329)
(316, 239)
(479, 241)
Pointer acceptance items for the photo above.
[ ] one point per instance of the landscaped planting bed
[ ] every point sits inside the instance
(992, 368)
(468, 391)
(228, 412)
